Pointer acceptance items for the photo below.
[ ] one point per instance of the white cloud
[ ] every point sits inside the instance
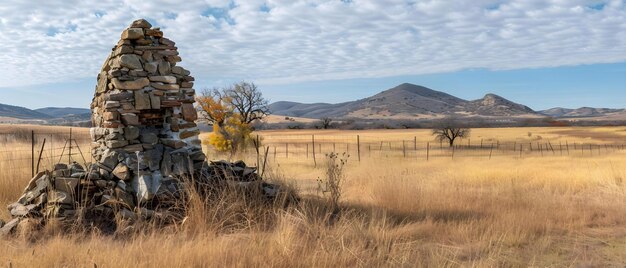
(285, 41)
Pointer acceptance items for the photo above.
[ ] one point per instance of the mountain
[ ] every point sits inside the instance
(21, 112)
(57, 112)
(494, 105)
(50, 115)
(406, 101)
(580, 112)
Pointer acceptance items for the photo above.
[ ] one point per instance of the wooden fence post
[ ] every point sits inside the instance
(491, 151)
(358, 147)
(32, 153)
(313, 141)
(403, 149)
(286, 150)
(69, 155)
(427, 151)
(43, 145)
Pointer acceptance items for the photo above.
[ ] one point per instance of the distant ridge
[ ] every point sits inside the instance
(49, 115)
(407, 101)
(580, 112)
(21, 112)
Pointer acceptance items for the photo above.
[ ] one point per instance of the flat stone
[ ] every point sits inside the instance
(116, 144)
(41, 186)
(154, 32)
(142, 185)
(150, 138)
(67, 185)
(119, 96)
(161, 86)
(123, 50)
(132, 34)
(168, 52)
(122, 172)
(130, 61)
(176, 144)
(167, 42)
(186, 84)
(189, 112)
(111, 104)
(111, 116)
(130, 85)
(164, 68)
(60, 197)
(163, 78)
(131, 133)
(8, 227)
(97, 133)
(142, 100)
(138, 73)
(155, 101)
(180, 70)
(141, 23)
(189, 133)
(174, 59)
(102, 82)
(125, 198)
(151, 67)
(130, 119)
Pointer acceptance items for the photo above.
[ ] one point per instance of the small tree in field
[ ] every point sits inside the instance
(449, 130)
(231, 110)
(326, 121)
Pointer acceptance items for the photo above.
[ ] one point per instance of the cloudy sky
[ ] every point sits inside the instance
(542, 53)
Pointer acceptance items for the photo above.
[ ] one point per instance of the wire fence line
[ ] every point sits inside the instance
(68, 146)
(45, 149)
(316, 146)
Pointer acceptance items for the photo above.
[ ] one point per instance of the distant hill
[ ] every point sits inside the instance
(57, 112)
(407, 101)
(580, 112)
(21, 112)
(50, 115)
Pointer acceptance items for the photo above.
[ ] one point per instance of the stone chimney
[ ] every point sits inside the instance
(144, 133)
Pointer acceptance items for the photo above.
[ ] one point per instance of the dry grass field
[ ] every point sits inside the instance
(398, 209)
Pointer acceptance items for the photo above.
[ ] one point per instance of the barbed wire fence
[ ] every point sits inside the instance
(44, 149)
(315, 147)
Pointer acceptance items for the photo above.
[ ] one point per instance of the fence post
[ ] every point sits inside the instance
(286, 150)
(69, 155)
(313, 140)
(43, 145)
(32, 153)
(491, 151)
(427, 151)
(403, 149)
(258, 155)
(358, 147)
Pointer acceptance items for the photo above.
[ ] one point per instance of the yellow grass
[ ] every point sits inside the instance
(555, 210)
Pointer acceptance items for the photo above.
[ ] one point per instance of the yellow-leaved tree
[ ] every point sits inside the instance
(231, 111)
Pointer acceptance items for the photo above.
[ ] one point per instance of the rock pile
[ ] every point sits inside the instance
(143, 114)
(144, 142)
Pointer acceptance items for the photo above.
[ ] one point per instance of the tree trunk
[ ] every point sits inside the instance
(451, 142)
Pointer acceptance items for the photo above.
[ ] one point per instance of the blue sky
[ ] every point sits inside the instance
(540, 53)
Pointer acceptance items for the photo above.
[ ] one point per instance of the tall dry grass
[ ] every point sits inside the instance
(535, 211)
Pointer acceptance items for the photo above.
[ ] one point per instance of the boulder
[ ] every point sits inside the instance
(130, 61)
(132, 34)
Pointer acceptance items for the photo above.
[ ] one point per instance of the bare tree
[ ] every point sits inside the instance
(450, 129)
(247, 101)
(326, 121)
